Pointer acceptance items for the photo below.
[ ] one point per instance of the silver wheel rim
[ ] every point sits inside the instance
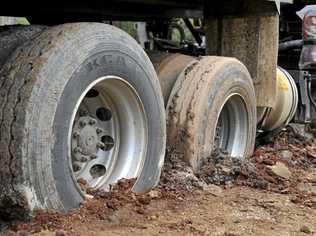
(108, 135)
(232, 127)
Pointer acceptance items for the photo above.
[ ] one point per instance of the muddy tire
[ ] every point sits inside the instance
(168, 67)
(13, 36)
(212, 106)
(42, 86)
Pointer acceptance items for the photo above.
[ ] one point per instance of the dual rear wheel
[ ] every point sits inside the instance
(211, 107)
(81, 106)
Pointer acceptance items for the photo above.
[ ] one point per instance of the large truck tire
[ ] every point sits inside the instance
(168, 67)
(12, 36)
(80, 106)
(212, 107)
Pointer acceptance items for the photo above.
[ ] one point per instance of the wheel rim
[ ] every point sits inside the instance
(108, 134)
(232, 127)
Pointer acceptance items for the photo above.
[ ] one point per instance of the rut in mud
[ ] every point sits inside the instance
(279, 178)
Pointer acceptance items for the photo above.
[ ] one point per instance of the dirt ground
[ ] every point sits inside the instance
(272, 194)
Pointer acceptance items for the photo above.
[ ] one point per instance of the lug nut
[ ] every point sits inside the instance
(99, 131)
(92, 121)
(77, 149)
(76, 134)
(82, 123)
(76, 167)
(93, 156)
(83, 159)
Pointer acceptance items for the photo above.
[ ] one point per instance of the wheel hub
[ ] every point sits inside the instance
(86, 139)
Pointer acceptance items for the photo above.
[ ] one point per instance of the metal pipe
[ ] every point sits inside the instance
(290, 45)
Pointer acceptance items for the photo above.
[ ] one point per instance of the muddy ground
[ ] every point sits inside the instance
(272, 194)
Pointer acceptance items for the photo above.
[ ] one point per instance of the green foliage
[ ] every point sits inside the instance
(129, 27)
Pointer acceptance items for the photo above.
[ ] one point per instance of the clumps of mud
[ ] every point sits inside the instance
(279, 165)
(275, 166)
(100, 206)
(221, 169)
(97, 208)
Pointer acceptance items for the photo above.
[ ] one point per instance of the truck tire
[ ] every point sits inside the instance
(12, 36)
(212, 106)
(80, 106)
(168, 67)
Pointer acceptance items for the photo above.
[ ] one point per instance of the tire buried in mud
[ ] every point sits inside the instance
(212, 107)
(42, 86)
